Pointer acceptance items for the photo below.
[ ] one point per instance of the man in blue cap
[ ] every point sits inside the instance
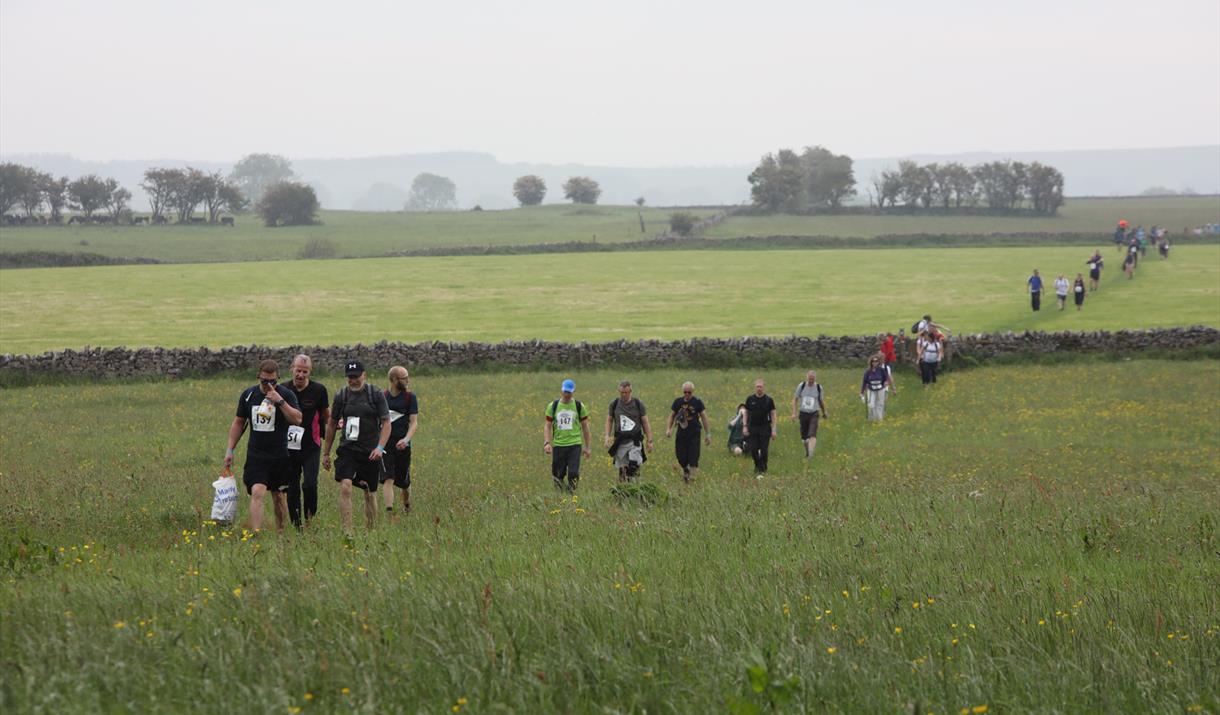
(565, 435)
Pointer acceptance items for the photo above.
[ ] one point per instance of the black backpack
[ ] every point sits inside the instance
(342, 396)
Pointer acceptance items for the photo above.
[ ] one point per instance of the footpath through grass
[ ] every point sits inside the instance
(593, 297)
(1019, 538)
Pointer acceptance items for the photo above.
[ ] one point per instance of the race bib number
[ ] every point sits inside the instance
(351, 429)
(1079, 289)
(808, 403)
(625, 424)
(295, 436)
(1092, 266)
(565, 420)
(261, 420)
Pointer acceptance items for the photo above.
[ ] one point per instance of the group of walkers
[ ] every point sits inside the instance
(1133, 244)
(293, 428)
(628, 436)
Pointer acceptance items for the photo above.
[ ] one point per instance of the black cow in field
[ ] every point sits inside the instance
(159, 220)
(102, 220)
(197, 221)
(227, 221)
(77, 219)
(139, 220)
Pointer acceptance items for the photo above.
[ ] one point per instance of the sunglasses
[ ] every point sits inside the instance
(268, 380)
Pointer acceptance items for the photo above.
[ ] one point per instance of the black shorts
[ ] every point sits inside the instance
(809, 424)
(364, 472)
(397, 465)
(271, 472)
(687, 447)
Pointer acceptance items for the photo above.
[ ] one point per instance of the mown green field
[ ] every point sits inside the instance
(353, 233)
(1077, 216)
(1017, 539)
(594, 297)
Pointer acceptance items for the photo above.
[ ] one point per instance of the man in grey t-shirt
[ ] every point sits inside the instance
(628, 434)
(811, 404)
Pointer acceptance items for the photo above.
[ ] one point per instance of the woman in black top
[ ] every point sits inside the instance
(1078, 290)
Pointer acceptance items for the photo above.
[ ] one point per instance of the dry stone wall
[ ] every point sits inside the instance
(173, 362)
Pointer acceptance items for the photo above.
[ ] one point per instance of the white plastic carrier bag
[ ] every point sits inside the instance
(224, 504)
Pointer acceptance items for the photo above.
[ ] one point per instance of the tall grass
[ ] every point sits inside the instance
(1037, 538)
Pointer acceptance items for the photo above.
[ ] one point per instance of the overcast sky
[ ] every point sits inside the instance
(615, 83)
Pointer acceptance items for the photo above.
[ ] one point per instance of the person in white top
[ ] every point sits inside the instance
(930, 350)
(1061, 290)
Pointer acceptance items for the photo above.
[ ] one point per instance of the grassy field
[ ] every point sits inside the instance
(373, 234)
(1019, 539)
(353, 233)
(594, 297)
(1077, 215)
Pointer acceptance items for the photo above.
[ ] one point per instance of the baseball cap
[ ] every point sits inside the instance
(568, 386)
(353, 368)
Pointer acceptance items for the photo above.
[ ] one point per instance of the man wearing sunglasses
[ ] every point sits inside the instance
(686, 413)
(269, 408)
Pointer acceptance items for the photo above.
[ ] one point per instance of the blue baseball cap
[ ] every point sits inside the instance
(568, 386)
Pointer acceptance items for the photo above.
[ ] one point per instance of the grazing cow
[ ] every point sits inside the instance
(103, 219)
(227, 221)
(159, 220)
(196, 221)
(139, 220)
(76, 219)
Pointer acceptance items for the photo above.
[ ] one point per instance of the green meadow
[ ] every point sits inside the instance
(1077, 216)
(364, 234)
(593, 297)
(352, 233)
(1016, 539)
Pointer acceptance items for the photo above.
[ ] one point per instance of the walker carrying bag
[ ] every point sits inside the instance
(224, 504)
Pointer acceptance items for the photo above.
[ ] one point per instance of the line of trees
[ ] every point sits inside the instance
(27, 191)
(530, 190)
(792, 183)
(181, 192)
(999, 185)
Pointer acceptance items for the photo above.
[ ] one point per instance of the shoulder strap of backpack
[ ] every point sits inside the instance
(554, 406)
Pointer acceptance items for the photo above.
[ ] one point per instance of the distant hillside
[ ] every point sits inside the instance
(379, 183)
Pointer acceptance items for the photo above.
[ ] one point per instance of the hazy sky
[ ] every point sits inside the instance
(615, 83)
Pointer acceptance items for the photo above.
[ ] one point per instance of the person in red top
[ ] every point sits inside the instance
(887, 349)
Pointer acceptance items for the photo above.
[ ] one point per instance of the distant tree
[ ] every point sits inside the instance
(777, 183)
(187, 190)
(158, 185)
(961, 182)
(255, 173)
(529, 190)
(682, 222)
(12, 177)
(90, 193)
(288, 203)
(216, 194)
(1044, 185)
(639, 201)
(916, 184)
(430, 192)
(31, 198)
(887, 187)
(828, 177)
(581, 190)
(55, 195)
(232, 198)
(116, 204)
(1002, 184)
(1158, 191)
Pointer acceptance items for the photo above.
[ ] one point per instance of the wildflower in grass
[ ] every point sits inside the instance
(120, 624)
(898, 630)
(293, 709)
(345, 691)
(786, 609)
(237, 592)
(647, 673)
(1042, 621)
(915, 605)
(845, 594)
(308, 696)
(831, 650)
